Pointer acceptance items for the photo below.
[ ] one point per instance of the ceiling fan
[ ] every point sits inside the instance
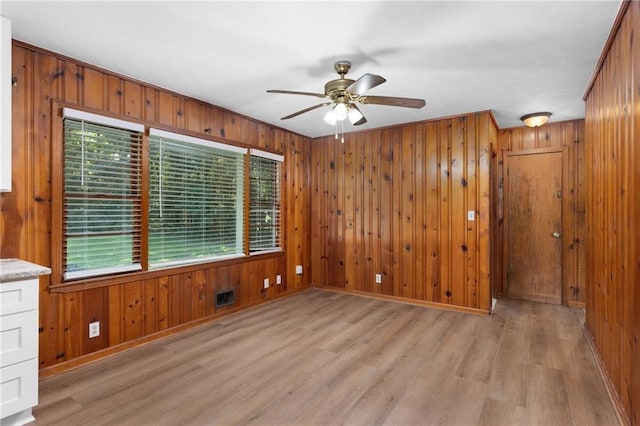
(343, 93)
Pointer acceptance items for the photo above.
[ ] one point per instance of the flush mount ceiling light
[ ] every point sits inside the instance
(535, 119)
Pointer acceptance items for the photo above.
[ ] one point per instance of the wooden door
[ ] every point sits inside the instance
(534, 226)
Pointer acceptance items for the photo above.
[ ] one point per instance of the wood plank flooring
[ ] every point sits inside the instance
(325, 358)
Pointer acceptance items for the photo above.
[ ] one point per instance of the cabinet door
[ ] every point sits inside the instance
(18, 337)
(18, 387)
(18, 296)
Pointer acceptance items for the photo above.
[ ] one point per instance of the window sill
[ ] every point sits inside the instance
(263, 252)
(97, 282)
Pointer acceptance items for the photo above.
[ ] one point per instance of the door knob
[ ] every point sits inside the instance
(556, 235)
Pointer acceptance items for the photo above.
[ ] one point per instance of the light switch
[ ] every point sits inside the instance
(471, 215)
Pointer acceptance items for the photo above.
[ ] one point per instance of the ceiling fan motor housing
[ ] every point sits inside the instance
(336, 89)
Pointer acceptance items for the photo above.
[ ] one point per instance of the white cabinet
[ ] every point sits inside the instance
(18, 340)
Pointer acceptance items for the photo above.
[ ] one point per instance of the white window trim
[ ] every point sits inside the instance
(275, 157)
(163, 135)
(101, 119)
(196, 141)
(73, 275)
(184, 262)
(265, 154)
(267, 251)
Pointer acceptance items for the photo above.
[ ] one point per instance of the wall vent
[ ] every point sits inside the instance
(225, 298)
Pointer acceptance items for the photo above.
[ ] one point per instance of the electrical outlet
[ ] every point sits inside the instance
(278, 279)
(298, 269)
(94, 329)
(266, 283)
(378, 278)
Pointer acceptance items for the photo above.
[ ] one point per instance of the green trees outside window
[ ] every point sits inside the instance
(102, 204)
(264, 201)
(195, 197)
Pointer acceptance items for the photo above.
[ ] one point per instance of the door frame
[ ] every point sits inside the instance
(564, 217)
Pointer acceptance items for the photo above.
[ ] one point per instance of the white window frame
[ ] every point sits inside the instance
(164, 134)
(279, 158)
(109, 122)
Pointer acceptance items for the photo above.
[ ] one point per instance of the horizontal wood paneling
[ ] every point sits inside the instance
(612, 132)
(394, 202)
(569, 134)
(131, 309)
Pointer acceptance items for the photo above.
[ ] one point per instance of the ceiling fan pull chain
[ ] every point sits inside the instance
(342, 125)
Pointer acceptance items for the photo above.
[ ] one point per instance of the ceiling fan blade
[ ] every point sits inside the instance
(364, 83)
(290, 92)
(393, 101)
(311, 108)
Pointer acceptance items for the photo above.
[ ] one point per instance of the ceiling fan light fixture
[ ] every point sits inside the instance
(330, 117)
(340, 111)
(535, 119)
(354, 115)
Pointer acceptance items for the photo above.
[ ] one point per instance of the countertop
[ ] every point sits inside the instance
(16, 269)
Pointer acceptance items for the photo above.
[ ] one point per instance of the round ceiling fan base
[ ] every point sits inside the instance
(342, 67)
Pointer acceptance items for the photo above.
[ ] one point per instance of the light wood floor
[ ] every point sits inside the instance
(320, 357)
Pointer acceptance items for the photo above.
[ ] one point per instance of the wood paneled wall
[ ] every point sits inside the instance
(612, 132)
(394, 202)
(569, 134)
(137, 306)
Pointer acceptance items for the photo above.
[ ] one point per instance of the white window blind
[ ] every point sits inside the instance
(264, 201)
(196, 199)
(102, 205)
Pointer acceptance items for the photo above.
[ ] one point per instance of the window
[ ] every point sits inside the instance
(196, 199)
(126, 202)
(101, 193)
(264, 201)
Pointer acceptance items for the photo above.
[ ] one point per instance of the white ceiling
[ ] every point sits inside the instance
(511, 57)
